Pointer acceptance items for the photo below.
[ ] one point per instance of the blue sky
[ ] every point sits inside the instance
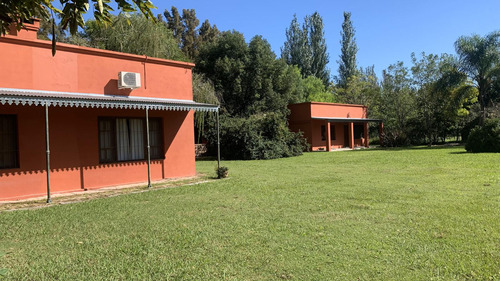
(386, 31)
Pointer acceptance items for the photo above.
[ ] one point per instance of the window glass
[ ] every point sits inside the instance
(8, 142)
(124, 139)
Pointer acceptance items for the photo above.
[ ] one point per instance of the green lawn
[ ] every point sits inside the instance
(402, 214)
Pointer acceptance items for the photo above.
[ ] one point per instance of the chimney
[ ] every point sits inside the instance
(28, 31)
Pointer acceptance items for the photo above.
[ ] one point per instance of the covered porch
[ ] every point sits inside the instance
(339, 133)
(58, 142)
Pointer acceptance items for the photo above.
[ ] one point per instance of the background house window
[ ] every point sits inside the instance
(8, 142)
(359, 131)
(155, 138)
(332, 132)
(124, 139)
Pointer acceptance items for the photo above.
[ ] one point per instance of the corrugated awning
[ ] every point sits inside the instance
(336, 119)
(52, 98)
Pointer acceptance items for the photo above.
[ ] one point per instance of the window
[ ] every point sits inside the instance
(8, 142)
(359, 132)
(124, 139)
(332, 132)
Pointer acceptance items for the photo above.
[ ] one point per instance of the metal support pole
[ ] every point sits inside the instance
(149, 148)
(47, 146)
(218, 141)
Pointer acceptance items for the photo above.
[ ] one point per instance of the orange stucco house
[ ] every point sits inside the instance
(328, 126)
(65, 125)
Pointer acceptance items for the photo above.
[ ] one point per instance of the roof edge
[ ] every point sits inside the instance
(92, 51)
(331, 103)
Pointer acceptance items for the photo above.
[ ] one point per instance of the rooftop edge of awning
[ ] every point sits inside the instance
(67, 99)
(338, 119)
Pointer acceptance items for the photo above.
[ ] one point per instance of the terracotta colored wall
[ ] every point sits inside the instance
(338, 110)
(300, 119)
(75, 155)
(28, 64)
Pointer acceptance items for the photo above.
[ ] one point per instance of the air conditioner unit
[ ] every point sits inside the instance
(129, 80)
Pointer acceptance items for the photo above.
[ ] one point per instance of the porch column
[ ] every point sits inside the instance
(351, 135)
(381, 132)
(365, 133)
(148, 147)
(47, 151)
(328, 136)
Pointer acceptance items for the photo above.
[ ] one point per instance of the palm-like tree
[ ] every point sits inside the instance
(479, 59)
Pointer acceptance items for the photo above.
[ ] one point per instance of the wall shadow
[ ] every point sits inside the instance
(111, 88)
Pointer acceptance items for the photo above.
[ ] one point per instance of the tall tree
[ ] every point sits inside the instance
(296, 50)
(224, 62)
(190, 34)
(305, 47)
(480, 61)
(397, 103)
(317, 45)
(174, 23)
(207, 33)
(349, 49)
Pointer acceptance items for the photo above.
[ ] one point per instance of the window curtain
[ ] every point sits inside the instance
(130, 139)
(136, 139)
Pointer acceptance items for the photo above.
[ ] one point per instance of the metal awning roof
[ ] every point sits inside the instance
(336, 119)
(52, 98)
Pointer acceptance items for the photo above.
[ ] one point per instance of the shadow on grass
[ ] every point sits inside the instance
(419, 147)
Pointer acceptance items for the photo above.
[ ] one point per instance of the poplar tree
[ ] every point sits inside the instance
(347, 62)
(317, 45)
(174, 23)
(190, 34)
(296, 50)
(207, 33)
(305, 47)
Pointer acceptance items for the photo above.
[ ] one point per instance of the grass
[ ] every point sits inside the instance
(398, 214)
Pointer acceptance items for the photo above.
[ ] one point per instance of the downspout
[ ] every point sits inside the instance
(218, 141)
(47, 146)
(148, 147)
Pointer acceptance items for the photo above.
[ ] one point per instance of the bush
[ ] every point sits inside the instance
(484, 138)
(394, 139)
(222, 172)
(262, 136)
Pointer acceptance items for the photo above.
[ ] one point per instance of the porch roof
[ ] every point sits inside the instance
(52, 98)
(336, 119)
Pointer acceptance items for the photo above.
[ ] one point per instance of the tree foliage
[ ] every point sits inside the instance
(361, 88)
(255, 90)
(133, 33)
(189, 35)
(71, 14)
(479, 59)
(315, 90)
(306, 48)
(349, 49)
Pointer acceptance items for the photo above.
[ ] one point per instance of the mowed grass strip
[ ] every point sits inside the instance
(397, 214)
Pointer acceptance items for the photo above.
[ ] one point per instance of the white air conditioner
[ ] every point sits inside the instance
(129, 80)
